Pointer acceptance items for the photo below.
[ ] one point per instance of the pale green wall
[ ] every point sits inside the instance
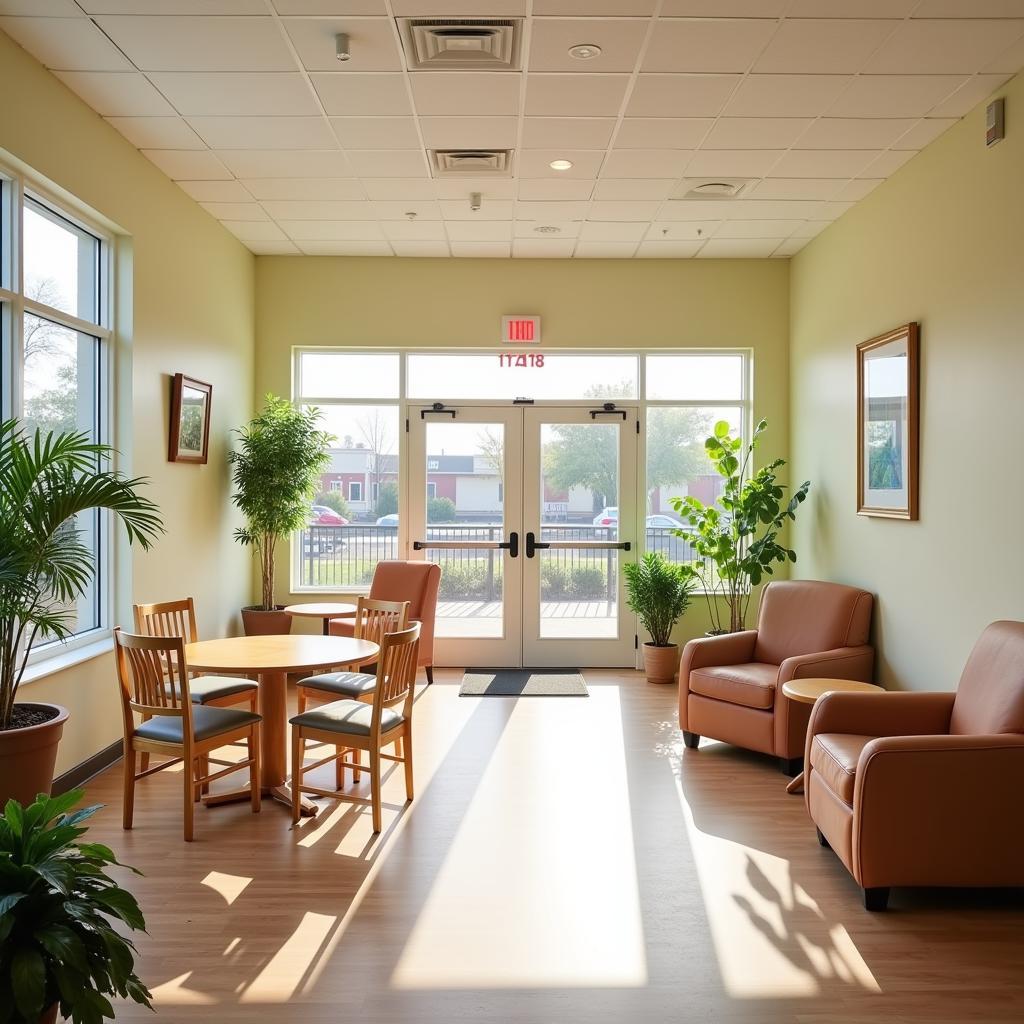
(941, 242)
(192, 310)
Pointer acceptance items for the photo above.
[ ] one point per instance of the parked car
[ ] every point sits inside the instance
(321, 515)
(389, 520)
(662, 522)
(608, 516)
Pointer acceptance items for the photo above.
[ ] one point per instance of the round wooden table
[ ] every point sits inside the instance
(270, 659)
(322, 610)
(807, 691)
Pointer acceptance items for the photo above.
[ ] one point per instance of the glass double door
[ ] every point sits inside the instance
(530, 511)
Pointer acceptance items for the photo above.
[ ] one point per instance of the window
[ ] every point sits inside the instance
(431, 489)
(355, 490)
(337, 485)
(55, 326)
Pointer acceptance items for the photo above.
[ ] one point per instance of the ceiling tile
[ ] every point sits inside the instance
(399, 188)
(182, 164)
(683, 231)
(786, 95)
(645, 163)
(460, 8)
(680, 95)
(157, 132)
(376, 132)
(468, 132)
(974, 91)
(893, 95)
(1010, 60)
(254, 231)
(272, 248)
(288, 133)
(388, 163)
(460, 188)
(544, 189)
(543, 248)
(200, 43)
(723, 8)
(594, 8)
(425, 209)
(336, 247)
(850, 8)
(923, 132)
(66, 44)
(811, 228)
(822, 47)
(660, 249)
(415, 230)
(332, 230)
(372, 43)
(311, 209)
(420, 249)
(797, 188)
(853, 133)
(604, 250)
(42, 8)
(619, 40)
(491, 209)
(174, 6)
(757, 228)
(854, 191)
(116, 93)
(630, 189)
(574, 132)
(273, 163)
(790, 247)
(613, 231)
(348, 7)
(216, 191)
(575, 95)
(696, 211)
(237, 93)
(236, 211)
(480, 231)
(465, 93)
(721, 45)
(486, 250)
(944, 47)
(969, 9)
(635, 210)
(772, 209)
(363, 95)
(887, 163)
(823, 163)
(756, 132)
(528, 228)
(738, 248)
(732, 163)
(549, 211)
(662, 132)
(830, 210)
(310, 189)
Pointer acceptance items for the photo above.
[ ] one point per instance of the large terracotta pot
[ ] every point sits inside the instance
(257, 622)
(28, 756)
(660, 663)
(49, 1016)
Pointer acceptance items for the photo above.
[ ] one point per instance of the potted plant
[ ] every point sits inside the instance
(46, 481)
(659, 592)
(58, 948)
(737, 538)
(277, 470)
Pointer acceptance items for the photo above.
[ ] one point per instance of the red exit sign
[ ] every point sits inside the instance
(520, 330)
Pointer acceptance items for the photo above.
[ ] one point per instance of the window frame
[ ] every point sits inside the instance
(351, 495)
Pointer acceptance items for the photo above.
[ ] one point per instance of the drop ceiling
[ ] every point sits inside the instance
(244, 104)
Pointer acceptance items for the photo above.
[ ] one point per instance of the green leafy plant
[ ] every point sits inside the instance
(440, 510)
(277, 468)
(737, 538)
(46, 482)
(57, 942)
(387, 499)
(659, 592)
(334, 500)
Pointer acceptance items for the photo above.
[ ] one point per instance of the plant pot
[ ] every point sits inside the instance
(28, 756)
(660, 663)
(257, 622)
(717, 632)
(49, 1016)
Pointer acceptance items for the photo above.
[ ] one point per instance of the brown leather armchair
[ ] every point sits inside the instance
(925, 788)
(730, 687)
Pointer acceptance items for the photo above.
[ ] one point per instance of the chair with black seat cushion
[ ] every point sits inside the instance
(154, 683)
(356, 725)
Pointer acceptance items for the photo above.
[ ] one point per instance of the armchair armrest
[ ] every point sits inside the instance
(939, 810)
(839, 663)
(882, 714)
(727, 649)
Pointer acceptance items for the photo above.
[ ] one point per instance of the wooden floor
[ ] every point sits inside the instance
(565, 860)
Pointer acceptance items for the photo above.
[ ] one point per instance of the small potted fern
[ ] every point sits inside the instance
(59, 950)
(659, 592)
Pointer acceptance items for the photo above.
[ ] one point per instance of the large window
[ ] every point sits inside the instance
(54, 321)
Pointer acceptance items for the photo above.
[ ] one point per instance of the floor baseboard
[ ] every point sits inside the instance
(92, 766)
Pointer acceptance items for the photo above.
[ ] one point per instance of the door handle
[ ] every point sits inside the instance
(533, 545)
(511, 545)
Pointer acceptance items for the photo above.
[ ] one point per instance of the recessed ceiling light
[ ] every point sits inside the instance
(560, 165)
(547, 229)
(585, 51)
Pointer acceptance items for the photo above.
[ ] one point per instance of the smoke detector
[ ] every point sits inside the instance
(547, 229)
(471, 163)
(462, 44)
(585, 51)
(710, 188)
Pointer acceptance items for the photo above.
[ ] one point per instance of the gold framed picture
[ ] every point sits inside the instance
(190, 420)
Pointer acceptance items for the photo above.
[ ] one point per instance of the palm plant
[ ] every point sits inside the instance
(46, 481)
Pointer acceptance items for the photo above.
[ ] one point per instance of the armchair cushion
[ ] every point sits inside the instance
(834, 755)
(752, 685)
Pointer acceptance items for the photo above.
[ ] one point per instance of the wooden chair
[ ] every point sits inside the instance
(154, 683)
(356, 725)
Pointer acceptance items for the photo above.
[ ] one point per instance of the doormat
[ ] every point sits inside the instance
(523, 682)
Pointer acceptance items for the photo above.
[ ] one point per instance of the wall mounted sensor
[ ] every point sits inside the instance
(341, 47)
(994, 121)
(475, 201)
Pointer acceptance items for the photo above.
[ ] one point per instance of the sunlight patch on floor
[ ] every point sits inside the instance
(284, 972)
(228, 886)
(539, 886)
(176, 992)
(771, 939)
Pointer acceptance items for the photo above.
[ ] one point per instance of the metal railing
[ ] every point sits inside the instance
(345, 556)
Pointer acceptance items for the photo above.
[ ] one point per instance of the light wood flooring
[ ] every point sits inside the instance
(565, 860)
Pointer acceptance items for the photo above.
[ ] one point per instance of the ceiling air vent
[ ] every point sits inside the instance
(710, 188)
(471, 163)
(461, 44)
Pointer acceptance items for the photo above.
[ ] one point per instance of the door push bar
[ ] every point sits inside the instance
(511, 545)
(439, 409)
(532, 545)
(608, 409)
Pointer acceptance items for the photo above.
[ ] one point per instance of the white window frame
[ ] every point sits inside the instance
(431, 489)
(338, 485)
(15, 186)
(351, 485)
